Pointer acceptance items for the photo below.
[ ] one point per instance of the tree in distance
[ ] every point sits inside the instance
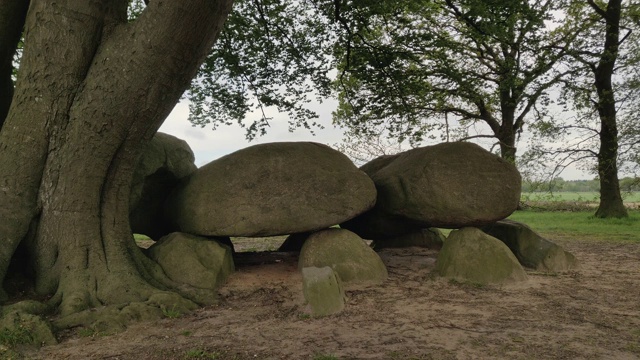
(603, 135)
(420, 66)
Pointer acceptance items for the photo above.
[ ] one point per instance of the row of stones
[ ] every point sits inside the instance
(332, 257)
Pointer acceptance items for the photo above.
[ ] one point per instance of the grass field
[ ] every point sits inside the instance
(593, 196)
(581, 225)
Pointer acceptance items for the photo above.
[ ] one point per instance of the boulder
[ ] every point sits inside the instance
(431, 238)
(187, 259)
(323, 290)
(471, 256)
(449, 185)
(272, 189)
(164, 161)
(531, 249)
(346, 253)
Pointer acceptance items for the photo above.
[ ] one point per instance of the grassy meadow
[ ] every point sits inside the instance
(569, 215)
(583, 196)
(581, 225)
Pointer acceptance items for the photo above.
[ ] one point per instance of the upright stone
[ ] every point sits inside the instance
(199, 262)
(346, 253)
(469, 255)
(323, 290)
(531, 249)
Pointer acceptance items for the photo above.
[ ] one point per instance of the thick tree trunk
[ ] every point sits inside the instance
(92, 88)
(611, 204)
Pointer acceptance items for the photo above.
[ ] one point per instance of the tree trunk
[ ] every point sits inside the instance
(507, 138)
(611, 204)
(92, 89)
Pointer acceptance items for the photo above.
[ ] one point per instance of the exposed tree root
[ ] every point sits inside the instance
(115, 318)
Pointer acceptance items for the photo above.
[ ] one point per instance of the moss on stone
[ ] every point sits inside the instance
(346, 253)
(323, 290)
(469, 255)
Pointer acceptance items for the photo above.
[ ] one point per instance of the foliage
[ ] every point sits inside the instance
(573, 134)
(272, 53)
(362, 148)
(425, 66)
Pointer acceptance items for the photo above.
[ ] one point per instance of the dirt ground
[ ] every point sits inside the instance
(591, 313)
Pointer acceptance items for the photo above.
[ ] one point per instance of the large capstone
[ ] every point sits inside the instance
(272, 189)
(449, 185)
(531, 249)
(346, 253)
(164, 161)
(471, 256)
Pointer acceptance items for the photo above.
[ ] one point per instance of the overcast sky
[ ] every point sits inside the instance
(208, 144)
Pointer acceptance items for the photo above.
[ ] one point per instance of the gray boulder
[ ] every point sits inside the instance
(471, 256)
(164, 161)
(531, 249)
(198, 262)
(346, 253)
(323, 290)
(449, 185)
(272, 189)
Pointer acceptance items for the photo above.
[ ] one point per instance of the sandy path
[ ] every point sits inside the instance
(591, 313)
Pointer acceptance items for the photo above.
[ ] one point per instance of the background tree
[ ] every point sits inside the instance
(474, 61)
(602, 135)
(91, 89)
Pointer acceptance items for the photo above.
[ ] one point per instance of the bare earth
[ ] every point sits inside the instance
(591, 313)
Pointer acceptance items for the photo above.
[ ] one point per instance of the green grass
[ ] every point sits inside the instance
(588, 196)
(201, 354)
(171, 313)
(581, 225)
(15, 336)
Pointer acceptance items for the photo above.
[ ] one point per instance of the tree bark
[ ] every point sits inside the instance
(12, 17)
(506, 132)
(92, 89)
(611, 204)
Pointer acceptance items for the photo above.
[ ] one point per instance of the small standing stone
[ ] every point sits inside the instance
(323, 290)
